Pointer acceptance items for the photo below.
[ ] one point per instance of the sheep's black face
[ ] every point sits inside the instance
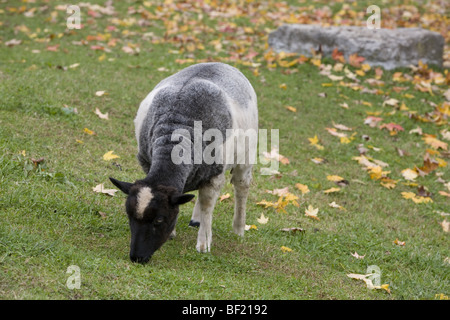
(152, 215)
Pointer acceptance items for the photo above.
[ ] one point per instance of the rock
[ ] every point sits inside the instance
(388, 48)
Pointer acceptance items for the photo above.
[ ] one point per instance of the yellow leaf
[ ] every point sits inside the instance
(311, 212)
(334, 178)
(360, 73)
(286, 249)
(250, 227)
(315, 142)
(433, 142)
(331, 190)
(302, 187)
(409, 174)
(89, 132)
(399, 243)
(408, 195)
(316, 62)
(283, 86)
(365, 67)
(290, 108)
(109, 156)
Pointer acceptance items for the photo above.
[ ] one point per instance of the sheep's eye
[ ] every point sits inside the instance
(158, 221)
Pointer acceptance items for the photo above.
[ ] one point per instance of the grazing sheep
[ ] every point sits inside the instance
(206, 97)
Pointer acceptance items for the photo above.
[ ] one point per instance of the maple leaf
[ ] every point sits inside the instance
(337, 56)
(279, 192)
(250, 227)
(311, 212)
(409, 174)
(109, 156)
(391, 101)
(399, 243)
(434, 142)
(355, 60)
(262, 219)
(302, 187)
(372, 121)
(315, 142)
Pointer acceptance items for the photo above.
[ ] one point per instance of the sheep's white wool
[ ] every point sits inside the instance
(144, 197)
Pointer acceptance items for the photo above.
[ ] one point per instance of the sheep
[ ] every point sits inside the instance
(218, 97)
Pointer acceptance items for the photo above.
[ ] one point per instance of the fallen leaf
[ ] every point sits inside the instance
(357, 256)
(290, 108)
(100, 93)
(399, 243)
(434, 142)
(334, 178)
(409, 174)
(100, 114)
(331, 190)
(315, 142)
(262, 219)
(286, 249)
(335, 205)
(302, 187)
(311, 212)
(88, 131)
(224, 196)
(355, 60)
(250, 227)
(101, 189)
(293, 229)
(445, 225)
(109, 156)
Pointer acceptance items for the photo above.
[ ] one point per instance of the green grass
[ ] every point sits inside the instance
(50, 217)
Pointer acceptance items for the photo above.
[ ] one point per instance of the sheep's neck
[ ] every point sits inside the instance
(165, 172)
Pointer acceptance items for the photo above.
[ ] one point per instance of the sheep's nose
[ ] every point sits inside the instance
(139, 259)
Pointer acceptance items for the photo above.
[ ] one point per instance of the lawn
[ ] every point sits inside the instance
(52, 144)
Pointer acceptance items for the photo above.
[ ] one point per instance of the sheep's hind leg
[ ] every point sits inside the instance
(241, 179)
(207, 197)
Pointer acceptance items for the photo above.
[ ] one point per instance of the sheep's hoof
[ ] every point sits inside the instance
(194, 223)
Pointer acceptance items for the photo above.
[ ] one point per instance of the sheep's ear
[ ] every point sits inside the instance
(123, 186)
(181, 198)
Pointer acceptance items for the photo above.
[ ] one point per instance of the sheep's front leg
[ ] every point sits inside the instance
(241, 179)
(207, 197)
